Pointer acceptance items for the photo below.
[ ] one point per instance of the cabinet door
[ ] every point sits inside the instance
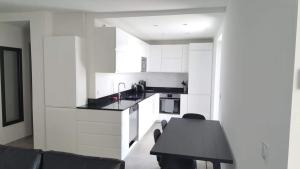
(172, 51)
(171, 65)
(145, 116)
(183, 104)
(154, 63)
(60, 71)
(200, 71)
(199, 104)
(61, 130)
(185, 58)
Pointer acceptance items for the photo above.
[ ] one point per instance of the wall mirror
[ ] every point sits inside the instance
(11, 85)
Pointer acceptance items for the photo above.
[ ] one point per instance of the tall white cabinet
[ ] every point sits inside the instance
(65, 72)
(200, 78)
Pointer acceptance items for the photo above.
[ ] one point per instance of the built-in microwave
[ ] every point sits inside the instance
(169, 103)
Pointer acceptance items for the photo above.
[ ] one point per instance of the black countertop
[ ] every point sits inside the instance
(128, 99)
(116, 105)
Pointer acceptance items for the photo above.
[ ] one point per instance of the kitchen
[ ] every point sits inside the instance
(107, 102)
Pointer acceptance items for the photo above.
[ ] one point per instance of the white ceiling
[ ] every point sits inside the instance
(106, 5)
(169, 27)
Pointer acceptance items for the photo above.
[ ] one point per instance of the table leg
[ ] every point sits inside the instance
(216, 165)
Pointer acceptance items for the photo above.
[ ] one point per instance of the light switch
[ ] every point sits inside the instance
(264, 151)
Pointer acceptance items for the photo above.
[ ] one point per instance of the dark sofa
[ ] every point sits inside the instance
(17, 158)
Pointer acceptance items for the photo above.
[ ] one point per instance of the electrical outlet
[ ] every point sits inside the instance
(265, 151)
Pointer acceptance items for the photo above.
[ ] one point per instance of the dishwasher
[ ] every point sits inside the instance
(133, 124)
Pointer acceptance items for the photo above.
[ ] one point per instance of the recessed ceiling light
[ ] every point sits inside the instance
(155, 25)
(185, 24)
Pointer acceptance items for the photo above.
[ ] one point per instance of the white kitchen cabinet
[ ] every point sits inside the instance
(65, 72)
(172, 51)
(154, 59)
(100, 133)
(185, 58)
(61, 129)
(200, 71)
(168, 58)
(116, 51)
(171, 65)
(199, 104)
(145, 113)
(97, 133)
(148, 114)
(200, 78)
(183, 104)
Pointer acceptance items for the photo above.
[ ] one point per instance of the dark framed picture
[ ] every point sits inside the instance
(11, 85)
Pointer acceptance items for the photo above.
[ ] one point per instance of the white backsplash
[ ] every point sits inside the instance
(107, 83)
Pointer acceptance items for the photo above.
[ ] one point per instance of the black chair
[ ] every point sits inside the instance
(156, 135)
(164, 124)
(193, 116)
(166, 162)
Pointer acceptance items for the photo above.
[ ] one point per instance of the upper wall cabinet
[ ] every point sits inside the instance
(168, 58)
(117, 51)
(65, 72)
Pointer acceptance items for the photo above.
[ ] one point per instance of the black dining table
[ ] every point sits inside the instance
(194, 139)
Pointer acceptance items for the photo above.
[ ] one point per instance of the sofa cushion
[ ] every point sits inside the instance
(58, 160)
(17, 158)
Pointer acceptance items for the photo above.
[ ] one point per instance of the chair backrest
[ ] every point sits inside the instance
(156, 134)
(193, 116)
(164, 124)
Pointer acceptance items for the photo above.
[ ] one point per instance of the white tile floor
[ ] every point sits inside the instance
(140, 158)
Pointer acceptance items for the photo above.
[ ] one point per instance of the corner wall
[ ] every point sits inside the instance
(294, 146)
(18, 37)
(256, 80)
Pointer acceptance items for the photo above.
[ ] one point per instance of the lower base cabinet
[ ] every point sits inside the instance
(100, 133)
(148, 114)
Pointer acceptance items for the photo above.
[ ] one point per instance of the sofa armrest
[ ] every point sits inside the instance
(16, 158)
(59, 160)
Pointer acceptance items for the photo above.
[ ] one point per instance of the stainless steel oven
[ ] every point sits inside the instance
(169, 103)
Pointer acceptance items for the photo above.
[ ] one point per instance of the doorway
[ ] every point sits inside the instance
(16, 128)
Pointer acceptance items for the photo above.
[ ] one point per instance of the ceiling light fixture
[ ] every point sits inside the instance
(155, 25)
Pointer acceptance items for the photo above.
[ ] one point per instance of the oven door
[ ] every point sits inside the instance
(169, 105)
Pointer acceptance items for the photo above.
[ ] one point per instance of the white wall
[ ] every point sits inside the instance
(257, 75)
(294, 146)
(17, 36)
(107, 83)
(40, 26)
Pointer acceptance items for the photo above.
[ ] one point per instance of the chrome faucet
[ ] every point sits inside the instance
(119, 93)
